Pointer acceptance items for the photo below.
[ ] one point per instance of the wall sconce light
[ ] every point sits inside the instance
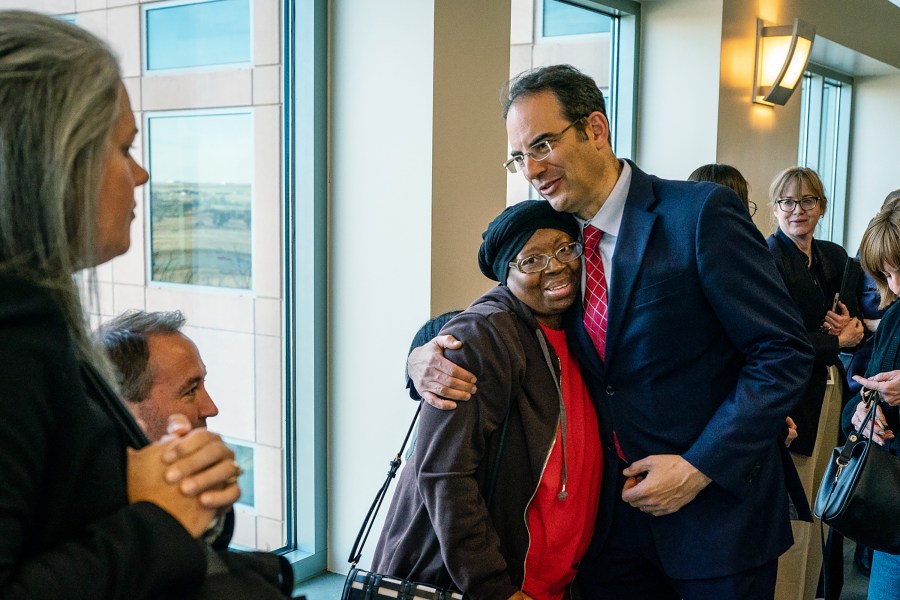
(781, 55)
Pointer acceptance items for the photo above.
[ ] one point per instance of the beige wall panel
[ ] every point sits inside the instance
(469, 143)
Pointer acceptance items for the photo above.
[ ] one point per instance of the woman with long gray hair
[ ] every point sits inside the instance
(88, 508)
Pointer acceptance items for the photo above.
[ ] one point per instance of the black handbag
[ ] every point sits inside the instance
(366, 585)
(859, 495)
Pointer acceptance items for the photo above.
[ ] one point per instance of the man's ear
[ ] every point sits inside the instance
(599, 126)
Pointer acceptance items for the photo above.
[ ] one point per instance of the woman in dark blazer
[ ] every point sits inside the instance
(813, 271)
(88, 509)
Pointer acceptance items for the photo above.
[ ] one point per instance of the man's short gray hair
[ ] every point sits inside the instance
(125, 340)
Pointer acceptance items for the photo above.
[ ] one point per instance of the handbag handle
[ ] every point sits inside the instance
(873, 399)
(366, 528)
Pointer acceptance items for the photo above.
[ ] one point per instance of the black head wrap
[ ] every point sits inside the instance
(511, 230)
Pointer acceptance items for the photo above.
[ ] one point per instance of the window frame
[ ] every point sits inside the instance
(148, 215)
(815, 78)
(305, 100)
(621, 105)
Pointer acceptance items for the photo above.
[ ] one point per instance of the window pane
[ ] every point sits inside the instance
(564, 19)
(243, 456)
(196, 35)
(200, 199)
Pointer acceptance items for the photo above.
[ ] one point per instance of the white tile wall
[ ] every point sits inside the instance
(85, 5)
(230, 379)
(94, 21)
(105, 298)
(126, 297)
(205, 307)
(269, 533)
(521, 26)
(266, 46)
(112, 3)
(269, 396)
(268, 316)
(56, 7)
(267, 85)
(104, 272)
(244, 527)
(122, 25)
(267, 202)
(197, 89)
(268, 468)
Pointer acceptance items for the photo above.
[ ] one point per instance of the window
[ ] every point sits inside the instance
(560, 18)
(200, 199)
(824, 141)
(209, 235)
(600, 39)
(198, 34)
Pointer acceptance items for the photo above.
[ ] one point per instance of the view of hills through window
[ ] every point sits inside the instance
(201, 198)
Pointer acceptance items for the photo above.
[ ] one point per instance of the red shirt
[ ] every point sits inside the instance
(561, 530)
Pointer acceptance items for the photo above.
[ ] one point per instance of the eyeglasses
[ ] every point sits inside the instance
(806, 203)
(538, 262)
(751, 206)
(539, 151)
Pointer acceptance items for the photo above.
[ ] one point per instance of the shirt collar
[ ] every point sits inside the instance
(609, 218)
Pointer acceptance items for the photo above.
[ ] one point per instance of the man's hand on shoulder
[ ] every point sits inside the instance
(439, 382)
(661, 484)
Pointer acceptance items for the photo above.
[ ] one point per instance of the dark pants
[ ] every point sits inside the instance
(627, 566)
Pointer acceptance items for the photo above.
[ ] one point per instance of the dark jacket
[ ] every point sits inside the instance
(705, 354)
(67, 529)
(884, 358)
(813, 301)
(439, 529)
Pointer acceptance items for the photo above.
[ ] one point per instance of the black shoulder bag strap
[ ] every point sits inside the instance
(363, 535)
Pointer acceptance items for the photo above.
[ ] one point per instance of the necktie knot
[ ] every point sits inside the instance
(592, 237)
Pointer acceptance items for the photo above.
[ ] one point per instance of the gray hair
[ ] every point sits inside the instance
(59, 89)
(125, 340)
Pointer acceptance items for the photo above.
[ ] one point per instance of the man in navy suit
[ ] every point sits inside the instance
(698, 361)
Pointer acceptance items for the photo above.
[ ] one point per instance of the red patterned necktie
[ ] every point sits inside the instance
(595, 293)
(596, 303)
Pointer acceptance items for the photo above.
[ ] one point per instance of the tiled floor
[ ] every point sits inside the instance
(328, 586)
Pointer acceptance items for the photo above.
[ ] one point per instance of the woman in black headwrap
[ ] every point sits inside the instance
(500, 496)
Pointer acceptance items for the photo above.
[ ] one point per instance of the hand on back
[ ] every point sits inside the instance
(439, 382)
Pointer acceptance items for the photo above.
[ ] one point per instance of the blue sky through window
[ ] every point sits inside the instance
(564, 19)
(196, 35)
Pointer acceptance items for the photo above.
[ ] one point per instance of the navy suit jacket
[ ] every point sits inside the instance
(706, 354)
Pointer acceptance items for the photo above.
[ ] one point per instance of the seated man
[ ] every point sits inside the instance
(158, 369)
(160, 373)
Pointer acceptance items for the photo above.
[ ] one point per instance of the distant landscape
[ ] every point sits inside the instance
(201, 234)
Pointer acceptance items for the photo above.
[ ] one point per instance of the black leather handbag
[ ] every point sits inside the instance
(366, 585)
(859, 495)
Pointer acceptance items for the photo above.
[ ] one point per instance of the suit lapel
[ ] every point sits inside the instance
(634, 233)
